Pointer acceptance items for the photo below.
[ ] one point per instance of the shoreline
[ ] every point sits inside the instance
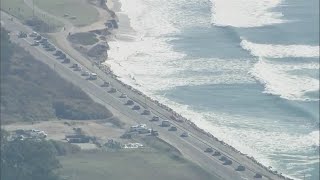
(176, 116)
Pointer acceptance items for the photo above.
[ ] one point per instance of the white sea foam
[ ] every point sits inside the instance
(280, 51)
(279, 81)
(149, 63)
(245, 13)
(268, 139)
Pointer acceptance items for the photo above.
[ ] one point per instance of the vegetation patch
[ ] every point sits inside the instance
(142, 164)
(40, 22)
(83, 38)
(31, 91)
(78, 12)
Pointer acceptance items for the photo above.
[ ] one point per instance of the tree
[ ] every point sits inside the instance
(29, 159)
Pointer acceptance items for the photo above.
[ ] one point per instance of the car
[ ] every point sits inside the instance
(22, 35)
(136, 107)
(85, 73)
(38, 37)
(184, 134)
(36, 43)
(227, 162)
(44, 40)
(257, 175)
(173, 128)
(146, 112)
(62, 56)
(129, 102)
(66, 60)
(216, 153)
(165, 123)
(240, 168)
(33, 34)
(105, 84)
(78, 68)
(74, 65)
(57, 53)
(51, 48)
(209, 150)
(123, 95)
(155, 118)
(222, 158)
(112, 90)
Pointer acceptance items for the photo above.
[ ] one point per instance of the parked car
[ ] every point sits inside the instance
(173, 128)
(123, 95)
(209, 150)
(184, 134)
(240, 168)
(146, 112)
(155, 118)
(136, 107)
(129, 102)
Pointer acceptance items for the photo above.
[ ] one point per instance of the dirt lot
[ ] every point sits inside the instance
(57, 130)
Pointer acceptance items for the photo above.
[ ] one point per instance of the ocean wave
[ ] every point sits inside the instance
(279, 81)
(245, 13)
(261, 138)
(279, 51)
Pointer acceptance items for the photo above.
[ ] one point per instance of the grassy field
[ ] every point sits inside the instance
(20, 10)
(85, 38)
(140, 164)
(84, 13)
(157, 161)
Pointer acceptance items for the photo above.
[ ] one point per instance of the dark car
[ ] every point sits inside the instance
(173, 128)
(216, 153)
(222, 158)
(66, 60)
(129, 102)
(184, 134)
(240, 168)
(105, 84)
(257, 175)
(155, 118)
(136, 107)
(37, 38)
(57, 53)
(209, 150)
(227, 162)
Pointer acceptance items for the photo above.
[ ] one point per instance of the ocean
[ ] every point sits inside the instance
(246, 71)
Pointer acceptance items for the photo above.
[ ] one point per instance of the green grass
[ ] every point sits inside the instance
(20, 10)
(84, 13)
(85, 38)
(142, 164)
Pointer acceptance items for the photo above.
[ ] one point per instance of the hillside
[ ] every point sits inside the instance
(31, 91)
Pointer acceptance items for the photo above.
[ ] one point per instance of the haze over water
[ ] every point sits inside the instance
(245, 70)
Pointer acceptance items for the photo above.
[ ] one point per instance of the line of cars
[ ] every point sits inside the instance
(39, 40)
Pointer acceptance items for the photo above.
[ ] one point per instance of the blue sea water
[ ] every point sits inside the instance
(245, 70)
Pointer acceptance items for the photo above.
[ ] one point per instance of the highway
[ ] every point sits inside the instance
(192, 147)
